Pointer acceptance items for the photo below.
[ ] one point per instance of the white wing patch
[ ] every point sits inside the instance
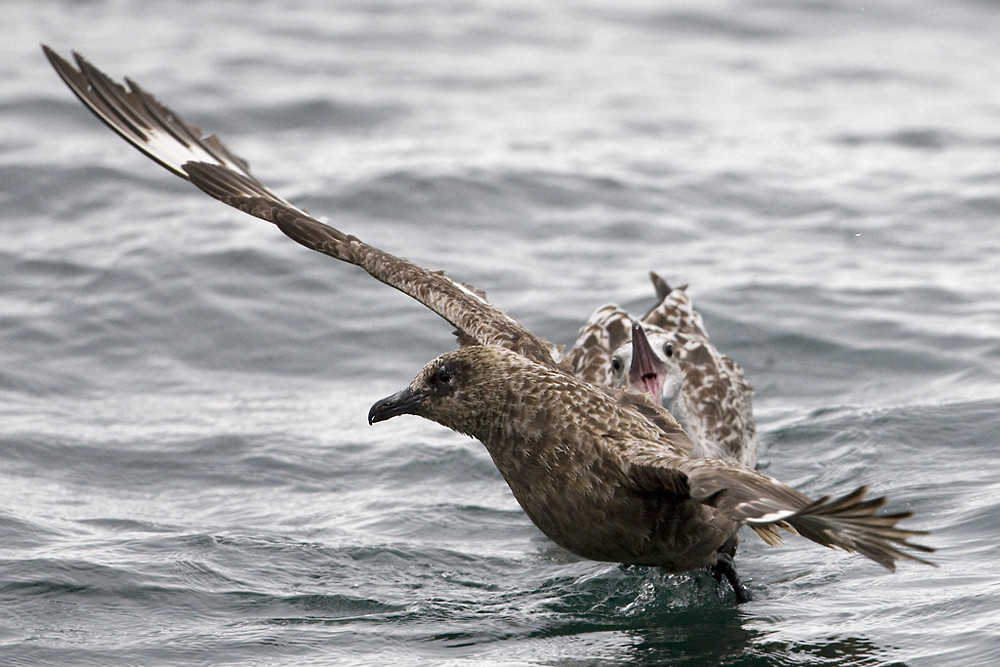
(767, 518)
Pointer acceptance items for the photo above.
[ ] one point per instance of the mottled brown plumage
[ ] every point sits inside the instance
(606, 475)
(603, 482)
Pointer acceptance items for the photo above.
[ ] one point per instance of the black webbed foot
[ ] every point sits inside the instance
(725, 567)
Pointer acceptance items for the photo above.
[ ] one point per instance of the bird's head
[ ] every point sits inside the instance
(647, 365)
(462, 389)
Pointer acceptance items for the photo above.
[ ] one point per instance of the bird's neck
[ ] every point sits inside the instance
(678, 408)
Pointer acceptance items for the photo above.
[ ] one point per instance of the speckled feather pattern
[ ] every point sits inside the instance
(605, 476)
(570, 469)
(718, 397)
(603, 481)
(608, 328)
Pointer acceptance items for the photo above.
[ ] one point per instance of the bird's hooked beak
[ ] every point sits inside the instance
(648, 372)
(401, 403)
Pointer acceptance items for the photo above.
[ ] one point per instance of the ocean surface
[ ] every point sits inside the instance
(186, 471)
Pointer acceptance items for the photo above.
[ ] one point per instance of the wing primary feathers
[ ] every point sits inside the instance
(738, 494)
(164, 136)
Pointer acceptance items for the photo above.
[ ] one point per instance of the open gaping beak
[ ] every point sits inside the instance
(648, 372)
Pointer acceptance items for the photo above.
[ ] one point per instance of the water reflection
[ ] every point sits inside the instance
(659, 619)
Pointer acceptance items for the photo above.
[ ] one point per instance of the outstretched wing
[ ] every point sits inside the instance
(765, 504)
(180, 147)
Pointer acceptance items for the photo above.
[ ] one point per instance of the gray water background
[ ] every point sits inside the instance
(186, 473)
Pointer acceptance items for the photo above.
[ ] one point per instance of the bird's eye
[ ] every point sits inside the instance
(668, 350)
(616, 364)
(442, 377)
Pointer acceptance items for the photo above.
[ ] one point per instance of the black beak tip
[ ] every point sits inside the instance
(401, 403)
(639, 335)
(380, 411)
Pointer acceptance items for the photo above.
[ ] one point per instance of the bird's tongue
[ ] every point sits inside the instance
(647, 372)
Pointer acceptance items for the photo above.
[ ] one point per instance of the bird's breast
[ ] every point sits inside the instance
(577, 493)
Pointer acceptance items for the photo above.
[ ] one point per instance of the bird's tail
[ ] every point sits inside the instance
(850, 522)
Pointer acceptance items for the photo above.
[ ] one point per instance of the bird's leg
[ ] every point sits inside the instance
(725, 567)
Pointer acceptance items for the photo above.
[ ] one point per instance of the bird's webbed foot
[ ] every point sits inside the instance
(725, 567)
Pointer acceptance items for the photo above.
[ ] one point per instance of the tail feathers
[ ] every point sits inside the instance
(849, 522)
(661, 286)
